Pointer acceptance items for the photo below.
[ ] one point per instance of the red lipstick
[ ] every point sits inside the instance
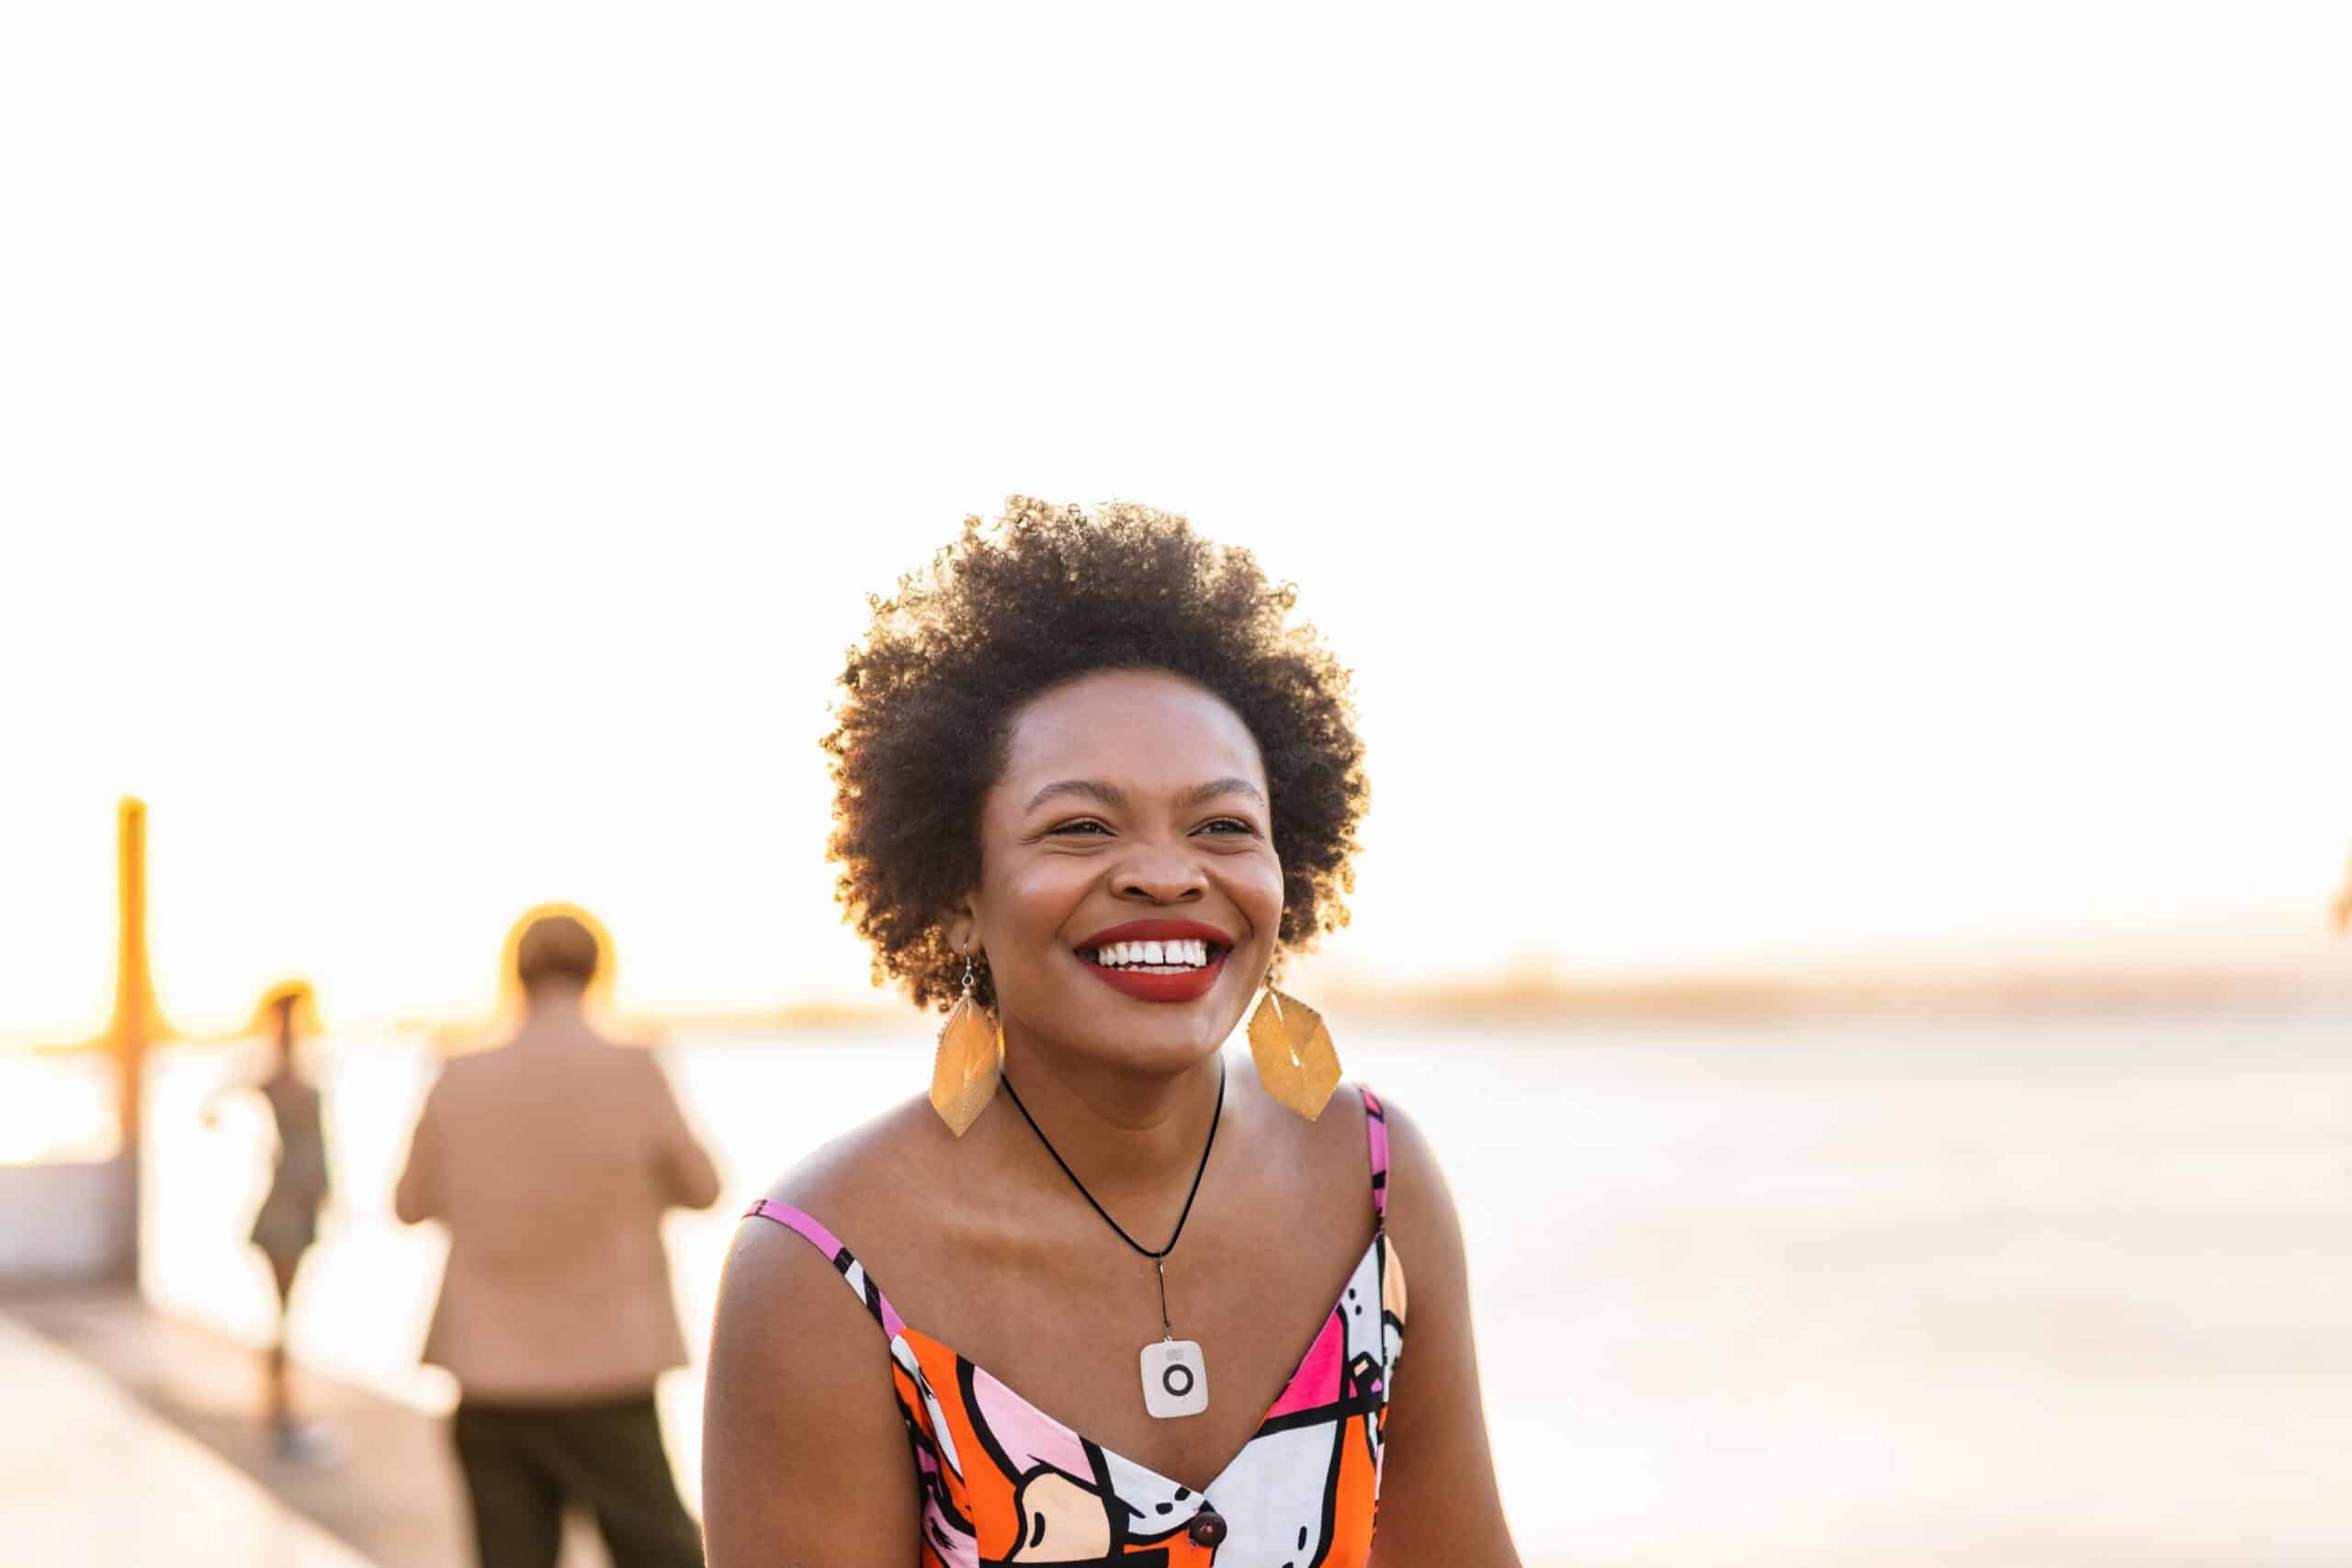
(1184, 986)
(1156, 931)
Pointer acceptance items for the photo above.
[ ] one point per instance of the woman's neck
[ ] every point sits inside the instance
(1126, 1135)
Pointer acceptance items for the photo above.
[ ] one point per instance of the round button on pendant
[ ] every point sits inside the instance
(1207, 1529)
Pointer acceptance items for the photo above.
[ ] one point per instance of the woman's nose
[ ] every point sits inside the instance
(1161, 873)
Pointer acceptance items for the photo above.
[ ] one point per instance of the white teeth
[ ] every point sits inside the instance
(1164, 957)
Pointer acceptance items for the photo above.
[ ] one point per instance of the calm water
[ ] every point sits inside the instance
(1884, 1292)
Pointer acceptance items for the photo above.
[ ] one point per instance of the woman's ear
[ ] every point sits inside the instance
(961, 925)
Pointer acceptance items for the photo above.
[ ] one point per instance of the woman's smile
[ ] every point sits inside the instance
(1157, 961)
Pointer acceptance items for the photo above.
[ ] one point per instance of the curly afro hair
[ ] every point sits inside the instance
(1047, 594)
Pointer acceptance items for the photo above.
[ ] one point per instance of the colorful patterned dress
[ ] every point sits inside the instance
(1001, 1482)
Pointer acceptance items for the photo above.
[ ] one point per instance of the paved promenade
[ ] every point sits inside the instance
(89, 1478)
(105, 1373)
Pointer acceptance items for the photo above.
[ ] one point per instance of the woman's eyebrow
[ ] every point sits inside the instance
(1112, 795)
(1109, 794)
(1215, 787)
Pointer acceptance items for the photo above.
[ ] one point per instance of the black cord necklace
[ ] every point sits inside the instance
(1175, 1377)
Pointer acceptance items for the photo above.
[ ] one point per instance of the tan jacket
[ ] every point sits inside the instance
(550, 1160)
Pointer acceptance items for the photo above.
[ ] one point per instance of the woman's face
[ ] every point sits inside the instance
(1132, 811)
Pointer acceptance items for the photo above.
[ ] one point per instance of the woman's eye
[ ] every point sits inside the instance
(1226, 824)
(1084, 827)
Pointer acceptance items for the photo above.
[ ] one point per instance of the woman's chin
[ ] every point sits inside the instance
(1176, 1040)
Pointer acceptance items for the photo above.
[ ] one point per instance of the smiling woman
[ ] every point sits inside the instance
(1091, 784)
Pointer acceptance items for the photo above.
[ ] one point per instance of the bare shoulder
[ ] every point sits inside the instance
(1332, 1148)
(866, 1189)
(871, 1180)
(1421, 1205)
(805, 1453)
(775, 1272)
(1438, 1502)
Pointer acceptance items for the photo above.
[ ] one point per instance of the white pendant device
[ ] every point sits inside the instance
(1175, 1374)
(1175, 1379)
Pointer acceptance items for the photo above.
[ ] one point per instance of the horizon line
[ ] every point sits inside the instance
(1547, 995)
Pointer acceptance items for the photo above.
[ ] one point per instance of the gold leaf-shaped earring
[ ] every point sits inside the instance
(1293, 1049)
(970, 1061)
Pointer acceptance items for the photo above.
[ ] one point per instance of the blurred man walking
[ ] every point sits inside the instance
(551, 1160)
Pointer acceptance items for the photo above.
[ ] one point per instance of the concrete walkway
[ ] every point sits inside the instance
(393, 1496)
(90, 1479)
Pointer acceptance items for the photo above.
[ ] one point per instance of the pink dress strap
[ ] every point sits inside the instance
(861, 1283)
(1375, 1131)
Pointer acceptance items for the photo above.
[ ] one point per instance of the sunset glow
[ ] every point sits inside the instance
(1848, 562)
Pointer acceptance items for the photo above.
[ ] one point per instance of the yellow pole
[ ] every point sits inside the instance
(136, 1020)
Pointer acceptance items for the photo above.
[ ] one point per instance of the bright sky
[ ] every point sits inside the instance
(1795, 483)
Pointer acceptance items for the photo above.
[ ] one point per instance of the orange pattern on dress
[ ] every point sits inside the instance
(1001, 1482)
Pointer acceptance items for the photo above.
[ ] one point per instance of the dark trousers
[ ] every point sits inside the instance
(523, 1463)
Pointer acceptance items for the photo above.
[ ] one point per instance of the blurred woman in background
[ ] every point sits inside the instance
(287, 1220)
